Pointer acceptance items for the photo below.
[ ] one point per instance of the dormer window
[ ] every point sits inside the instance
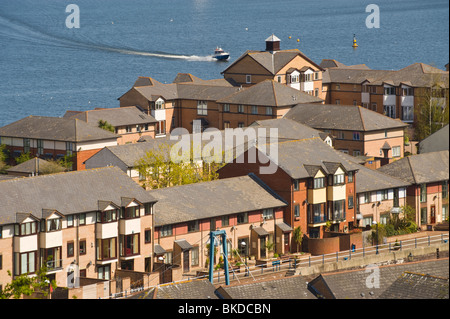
(159, 104)
(338, 179)
(25, 229)
(107, 216)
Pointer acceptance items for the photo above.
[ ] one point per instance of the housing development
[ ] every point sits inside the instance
(331, 177)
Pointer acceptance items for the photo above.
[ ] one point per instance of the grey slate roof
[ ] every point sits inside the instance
(120, 116)
(55, 129)
(68, 193)
(209, 199)
(341, 117)
(288, 129)
(196, 289)
(270, 93)
(420, 168)
(368, 180)
(412, 285)
(438, 141)
(286, 288)
(352, 284)
(30, 166)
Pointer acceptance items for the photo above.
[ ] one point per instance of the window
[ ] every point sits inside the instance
(240, 108)
(225, 221)
(70, 249)
(159, 105)
(254, 109)
(444, 190)
(268, 110)
(296, 185)
(308, 77)
(350, 177)
(338, 87)
(444, 212)
(107, 216)
(202, 108)
(423, 215)
(160, 127)
(407, 113)
(128, 129)
(338, 179)
(384, 194)
(356, 136)
(166, 230)
(297, 210)
(389, 110)
(243, 246)
(83, 247)
(423, 193)
(195, 256)
(193, 226)
(396, 151)
(279, 78)
(407, 91)
(367, 221)
(316, 92)
(374, 106)
(226, 124)
(373, 89)
(356, 153)
(129, 245)
(248, 79)
(294, 78)
(366, 198)
(242, 218)
(131, 212)
(241, 125)
(69, 148)
(24, 263)
(40, 146)
(384, 219)
(148, 236)
(350, 202)
(70, 221)
(338, 101)
(389, 90)
(106, 248)
(316, 75)
(337, 210)
(82, 219)
(319, 182)
(25, 229)
(267, 213)
(226, 107)
(355, 103)
(26, 145)
(1, 233)
(340, 135)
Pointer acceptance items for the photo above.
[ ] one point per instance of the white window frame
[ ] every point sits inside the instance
(202, 108)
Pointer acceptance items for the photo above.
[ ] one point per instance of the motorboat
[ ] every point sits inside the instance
(220, 54)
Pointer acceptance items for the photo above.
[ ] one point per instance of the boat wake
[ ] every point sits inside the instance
(17, 30)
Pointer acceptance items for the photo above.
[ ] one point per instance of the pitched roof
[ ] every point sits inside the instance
(195, 289)
(341, 117)
(55, 129)
(227, 196)
(286, 288)
(352, 284)
(288, 129)
(273, 61)
(30, 166)
(331, 63)
(438, 141)
(145, 81)
(67, 193)
(120, 116)
(368, 180)
(270, 93)
(412, 285)
(420, 168)
(295, 156)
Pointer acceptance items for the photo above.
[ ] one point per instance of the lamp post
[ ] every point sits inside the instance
(244, 246)
(375, 223)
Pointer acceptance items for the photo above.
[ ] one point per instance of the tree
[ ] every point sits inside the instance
(25, 285)
(432, 111)
(157, 170)
(22, 158)
(106, 126)
(52, 167)
(298, 237)
(3, 157)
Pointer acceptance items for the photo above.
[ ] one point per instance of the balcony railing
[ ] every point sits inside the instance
(317, 219)
(53, 264)
(338, 216)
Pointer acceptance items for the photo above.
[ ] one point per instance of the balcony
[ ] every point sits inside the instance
(316, 220)
(336, 193)
(54, 265)
(317, 196)
(337, 217)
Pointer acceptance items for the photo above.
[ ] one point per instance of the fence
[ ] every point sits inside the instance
(291, 264)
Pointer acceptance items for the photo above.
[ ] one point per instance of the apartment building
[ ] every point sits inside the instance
(54, 138)
(290, 67)
(393, 93)
(96, 221)
(248, 210)
(316, 181)
(268, 99)
(428, 175)
(356, 130)
(130, 123)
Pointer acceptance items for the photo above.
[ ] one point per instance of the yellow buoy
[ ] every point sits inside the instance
(298, 40)
(289, 37)
(355, 45)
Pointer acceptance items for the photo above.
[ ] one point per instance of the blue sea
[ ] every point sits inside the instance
(47, 68)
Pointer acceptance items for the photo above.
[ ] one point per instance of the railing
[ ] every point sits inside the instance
(54, 264)
(338, 216)
(294, 263)
(317, 219)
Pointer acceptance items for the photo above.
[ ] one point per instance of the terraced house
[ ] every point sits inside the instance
(98, 221)
(54, 138)
(247, 209)
(393, 93)
(428, 175)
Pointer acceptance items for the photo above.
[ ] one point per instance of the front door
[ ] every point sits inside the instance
(433, 215)
(262, 247)
(186, 267)
(287, 248)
